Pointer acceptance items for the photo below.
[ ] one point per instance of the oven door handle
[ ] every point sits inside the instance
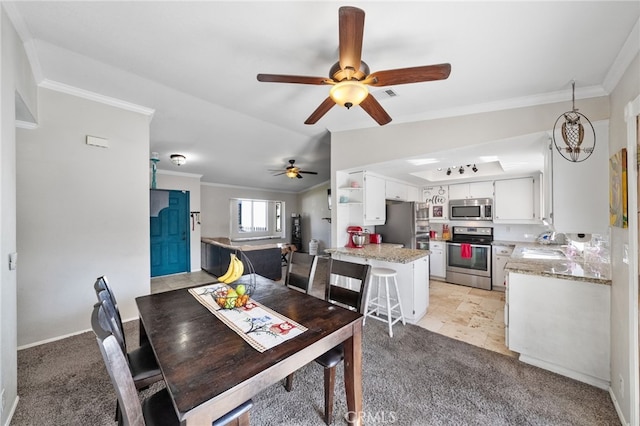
(472, 245)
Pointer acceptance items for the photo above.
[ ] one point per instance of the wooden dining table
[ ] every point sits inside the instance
(209, 369)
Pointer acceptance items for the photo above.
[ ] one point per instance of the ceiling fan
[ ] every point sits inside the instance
(349, 77)
(293, 171)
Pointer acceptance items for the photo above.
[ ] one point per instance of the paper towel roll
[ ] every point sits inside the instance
(581, 238)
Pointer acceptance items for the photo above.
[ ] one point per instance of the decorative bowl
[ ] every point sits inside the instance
(232, 296)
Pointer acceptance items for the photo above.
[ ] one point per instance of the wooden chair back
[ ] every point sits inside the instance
(354, 295)
(301, 270)
(117, 367)
(102, 284)
(109, 311)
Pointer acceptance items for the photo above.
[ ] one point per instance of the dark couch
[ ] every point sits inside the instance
(266, 259)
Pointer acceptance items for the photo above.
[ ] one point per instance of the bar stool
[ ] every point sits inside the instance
(382, 304)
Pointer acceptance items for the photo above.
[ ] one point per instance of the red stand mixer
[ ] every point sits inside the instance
(356, 237)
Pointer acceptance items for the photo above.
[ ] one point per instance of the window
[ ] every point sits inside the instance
(256, 219)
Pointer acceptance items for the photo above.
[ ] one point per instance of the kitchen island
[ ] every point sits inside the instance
(411, 265)
(557, 312)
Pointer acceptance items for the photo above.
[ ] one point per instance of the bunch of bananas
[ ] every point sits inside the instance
(235, 270)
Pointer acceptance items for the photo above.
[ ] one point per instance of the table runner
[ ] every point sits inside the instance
(258, 325)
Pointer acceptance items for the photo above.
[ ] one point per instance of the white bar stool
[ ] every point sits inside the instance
(381, 304)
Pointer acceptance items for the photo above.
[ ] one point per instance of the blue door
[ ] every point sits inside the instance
(169, 232)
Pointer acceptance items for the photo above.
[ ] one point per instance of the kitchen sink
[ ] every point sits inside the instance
(542, 253)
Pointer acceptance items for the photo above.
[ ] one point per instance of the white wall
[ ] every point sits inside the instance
(313, 206)
(623, 343)
(191, 183)
(15, 76)
(83, 211)
(216, 213)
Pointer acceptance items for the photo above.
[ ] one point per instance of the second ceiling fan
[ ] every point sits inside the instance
(350, 76)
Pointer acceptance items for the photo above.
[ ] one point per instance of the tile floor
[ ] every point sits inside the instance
(463, 313)
(469, 314)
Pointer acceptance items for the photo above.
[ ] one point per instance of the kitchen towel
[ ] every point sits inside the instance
(465, 251)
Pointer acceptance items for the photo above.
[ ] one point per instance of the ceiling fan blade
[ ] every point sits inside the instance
(299, 176)
(375, 110)
(324, 107)
(351, 31)
(281, 173)
(298, 79)
(309, 173)
(410, 75)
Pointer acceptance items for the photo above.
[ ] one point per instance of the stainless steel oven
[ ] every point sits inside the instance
(469, 257)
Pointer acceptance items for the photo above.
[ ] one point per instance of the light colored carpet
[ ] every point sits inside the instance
(415, 378)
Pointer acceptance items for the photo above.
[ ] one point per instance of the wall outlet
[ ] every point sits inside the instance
(621, 385)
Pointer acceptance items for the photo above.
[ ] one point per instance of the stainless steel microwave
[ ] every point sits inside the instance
(471, 209)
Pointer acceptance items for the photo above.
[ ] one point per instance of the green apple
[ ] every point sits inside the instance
(241, 289)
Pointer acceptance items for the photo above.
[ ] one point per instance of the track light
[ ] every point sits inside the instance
(461, 170)
(448, 171)
(474, 168)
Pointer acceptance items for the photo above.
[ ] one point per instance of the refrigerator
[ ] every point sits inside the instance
(407, 223)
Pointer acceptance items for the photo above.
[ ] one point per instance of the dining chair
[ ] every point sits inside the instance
(352, 298)
(300, 271)
(156, 410)
(142, 361)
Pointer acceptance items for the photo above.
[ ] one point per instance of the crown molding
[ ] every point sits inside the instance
(96, 97)
(21, 124)
(252, 188)
(629, 50)
(182, 174)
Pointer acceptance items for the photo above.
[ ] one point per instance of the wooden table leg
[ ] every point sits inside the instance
(353, 375)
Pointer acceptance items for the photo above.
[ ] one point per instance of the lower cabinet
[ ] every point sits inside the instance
(501, 255)
(438, 260)
(413, 283)
(560, 325)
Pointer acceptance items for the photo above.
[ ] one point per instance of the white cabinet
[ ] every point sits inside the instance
(374, 204)
(471, 190)
(501, 255)
(561, 325)
(438, 199)
(581, 190)
(413, 193)
(413, 283)
(517, 201)
(437, 259)
(396, 191)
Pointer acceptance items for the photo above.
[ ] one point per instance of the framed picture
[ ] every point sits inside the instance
(618, 215)
(437, 211)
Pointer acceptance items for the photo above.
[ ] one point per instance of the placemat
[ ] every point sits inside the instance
(258, 325)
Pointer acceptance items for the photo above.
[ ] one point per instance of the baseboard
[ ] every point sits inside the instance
(52, 339)
(581, 377)
(75, 333)
(617, 407)
(12, 411)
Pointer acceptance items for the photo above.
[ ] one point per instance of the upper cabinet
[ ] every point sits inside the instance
(374, 200)
(396, 190)
(581, 190)
(517, 200)
(438, 199)
(463, 191)
(399, 191)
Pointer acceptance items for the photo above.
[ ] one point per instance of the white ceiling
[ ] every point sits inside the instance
(195, 64)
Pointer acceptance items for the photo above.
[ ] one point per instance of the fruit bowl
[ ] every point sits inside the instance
(230, 297)
(237, 287)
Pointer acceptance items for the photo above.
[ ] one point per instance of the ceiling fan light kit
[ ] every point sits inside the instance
(350, 75)
(575, 148)
(293, 172)
(178, 159)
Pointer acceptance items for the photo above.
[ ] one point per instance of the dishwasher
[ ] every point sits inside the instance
(501, 255)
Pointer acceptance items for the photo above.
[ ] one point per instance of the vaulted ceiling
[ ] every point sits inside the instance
(195, 64)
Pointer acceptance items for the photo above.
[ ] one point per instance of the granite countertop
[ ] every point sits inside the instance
(573, 268)
(393, 253)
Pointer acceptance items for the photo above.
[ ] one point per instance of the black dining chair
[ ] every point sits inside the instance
(301, 271)
(156, 410)
(350, 298)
